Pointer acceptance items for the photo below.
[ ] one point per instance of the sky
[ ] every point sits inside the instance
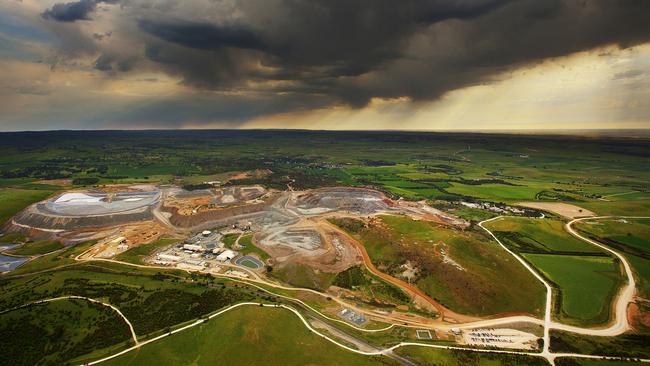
(325, 64)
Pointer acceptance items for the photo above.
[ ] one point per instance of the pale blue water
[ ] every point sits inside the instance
(8, 263)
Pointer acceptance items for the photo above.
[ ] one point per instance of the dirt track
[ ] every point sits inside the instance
(418, 295)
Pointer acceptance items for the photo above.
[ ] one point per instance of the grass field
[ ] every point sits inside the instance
(639, 207)
(586, 285)
(412, 165)
(370, 286)
(138, 254)
(460, 269)
(150, 299)
(229, 240)
(13, 201)
(497, 192)
(53, 260)
(535, 235)
(56, 332)
(37, 247)
(249, 248)
(12, 238)
(629, 236)
(626, 234)
(433, 357)
(629, 344)
(300, 275)
(641, 268)
(246, 336)
(568, 361)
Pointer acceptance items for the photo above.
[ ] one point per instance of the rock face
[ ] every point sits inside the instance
(357, 200)
(212, 216)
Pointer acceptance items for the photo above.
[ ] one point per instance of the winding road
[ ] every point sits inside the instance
(618, 325)
(133, 336)
(625, 296)
(619, 322)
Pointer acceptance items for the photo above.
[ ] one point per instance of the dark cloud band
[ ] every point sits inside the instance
(349, 51)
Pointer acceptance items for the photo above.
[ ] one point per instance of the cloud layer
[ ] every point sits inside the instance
(301, 55)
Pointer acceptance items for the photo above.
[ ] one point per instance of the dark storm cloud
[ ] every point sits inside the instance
(231, 111)
(73, 11)
(349, 51)
(203, 36)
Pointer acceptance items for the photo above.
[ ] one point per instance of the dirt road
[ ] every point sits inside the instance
(625, 296)
(419, 296)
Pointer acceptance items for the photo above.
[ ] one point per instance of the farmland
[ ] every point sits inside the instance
(629, 236)
(246, 242)
(586, 278)
(586, 284)
(14, 200)
(430, 356)
(533, 235)
(460, 166)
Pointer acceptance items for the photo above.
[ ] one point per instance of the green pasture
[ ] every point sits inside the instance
(619, 207)
(572, 361)
(300, 275)
(631, 237)
(633, 234)
(586, 285)
(37, 248)
(250, 335)
(496, 192)
(249, 248)
(436, 356)
(629, 344)
(14, 200)
(537, 235)
(53, 260)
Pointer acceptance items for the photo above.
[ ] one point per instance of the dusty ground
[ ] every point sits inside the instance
(55, 182)
(257, 173)
(638, 318)
(188, 203)
(500, 337)
(309, 242)
(564, 209)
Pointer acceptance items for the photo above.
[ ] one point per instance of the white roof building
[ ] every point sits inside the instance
(226, 255)
(169, 257)
(192, 247)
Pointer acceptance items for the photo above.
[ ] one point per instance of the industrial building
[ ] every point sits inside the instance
(193, 247)
(226, 255)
